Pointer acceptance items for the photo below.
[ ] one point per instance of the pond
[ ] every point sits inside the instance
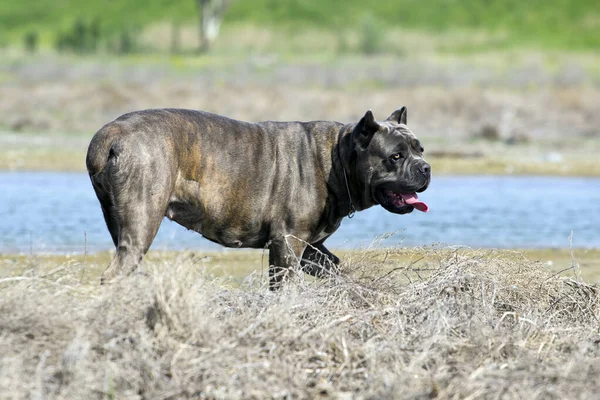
(58, 212)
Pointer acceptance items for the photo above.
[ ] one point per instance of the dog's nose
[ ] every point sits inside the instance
(425, 169)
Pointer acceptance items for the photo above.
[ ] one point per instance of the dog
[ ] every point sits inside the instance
(285, 186)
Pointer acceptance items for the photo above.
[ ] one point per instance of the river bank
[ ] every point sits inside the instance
(237, 265)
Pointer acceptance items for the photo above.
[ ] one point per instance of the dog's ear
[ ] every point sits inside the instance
(365, 129)
(398, 116)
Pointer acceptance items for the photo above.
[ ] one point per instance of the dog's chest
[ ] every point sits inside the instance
(324, 231)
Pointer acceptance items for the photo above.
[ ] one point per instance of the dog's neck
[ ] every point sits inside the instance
(348, 191)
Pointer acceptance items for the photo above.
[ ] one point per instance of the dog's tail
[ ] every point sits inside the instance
(99, 154)
(101, 147)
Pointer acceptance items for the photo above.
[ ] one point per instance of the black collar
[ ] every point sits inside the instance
(352, 209)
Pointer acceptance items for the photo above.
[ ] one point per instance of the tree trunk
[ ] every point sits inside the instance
(211, 14)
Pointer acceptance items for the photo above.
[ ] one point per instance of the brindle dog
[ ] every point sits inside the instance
(281, 185)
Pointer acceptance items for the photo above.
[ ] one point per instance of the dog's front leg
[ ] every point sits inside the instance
(318, 261)
(284, 257)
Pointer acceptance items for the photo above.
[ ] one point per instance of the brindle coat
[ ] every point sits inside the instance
(279, 185)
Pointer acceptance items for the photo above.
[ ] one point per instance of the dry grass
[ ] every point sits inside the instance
(548, 100)
(440, 323)
(449, 99)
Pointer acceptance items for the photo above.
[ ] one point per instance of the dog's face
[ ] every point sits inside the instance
(389, 163)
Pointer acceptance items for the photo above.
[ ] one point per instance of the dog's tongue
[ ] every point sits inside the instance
(413, 200)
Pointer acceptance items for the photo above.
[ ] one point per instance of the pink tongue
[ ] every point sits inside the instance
(413, 200)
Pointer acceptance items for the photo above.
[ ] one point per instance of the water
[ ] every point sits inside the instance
(58, 212)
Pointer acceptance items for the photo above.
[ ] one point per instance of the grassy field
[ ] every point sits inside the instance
(428, 322)
(561, 24)
(541, 109)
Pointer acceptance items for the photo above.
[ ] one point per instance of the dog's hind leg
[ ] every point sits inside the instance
(284, 257)
(108, 210)
(141, 196)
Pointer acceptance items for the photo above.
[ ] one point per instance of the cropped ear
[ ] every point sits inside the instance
(398, 116)
(365, 129)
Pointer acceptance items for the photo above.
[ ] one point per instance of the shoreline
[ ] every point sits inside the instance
(51, 152)
(66, 153)
(492, 166)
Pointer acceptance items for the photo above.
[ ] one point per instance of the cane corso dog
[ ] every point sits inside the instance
(285, 186)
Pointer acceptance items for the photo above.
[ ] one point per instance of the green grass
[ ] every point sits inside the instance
(560, 24)
(53, 15)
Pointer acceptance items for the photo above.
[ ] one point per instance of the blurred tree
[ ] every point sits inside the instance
(79, 36)
(371, 35)
(82, 37)
(31, 41)
(126, 42)
(94, 35)
(211, 16)
(175, 37)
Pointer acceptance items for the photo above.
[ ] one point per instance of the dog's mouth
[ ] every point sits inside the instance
(400, 203)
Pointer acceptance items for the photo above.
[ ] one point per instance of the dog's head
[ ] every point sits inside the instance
(389, 163)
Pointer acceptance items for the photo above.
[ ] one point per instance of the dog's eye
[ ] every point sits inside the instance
(395, 157)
